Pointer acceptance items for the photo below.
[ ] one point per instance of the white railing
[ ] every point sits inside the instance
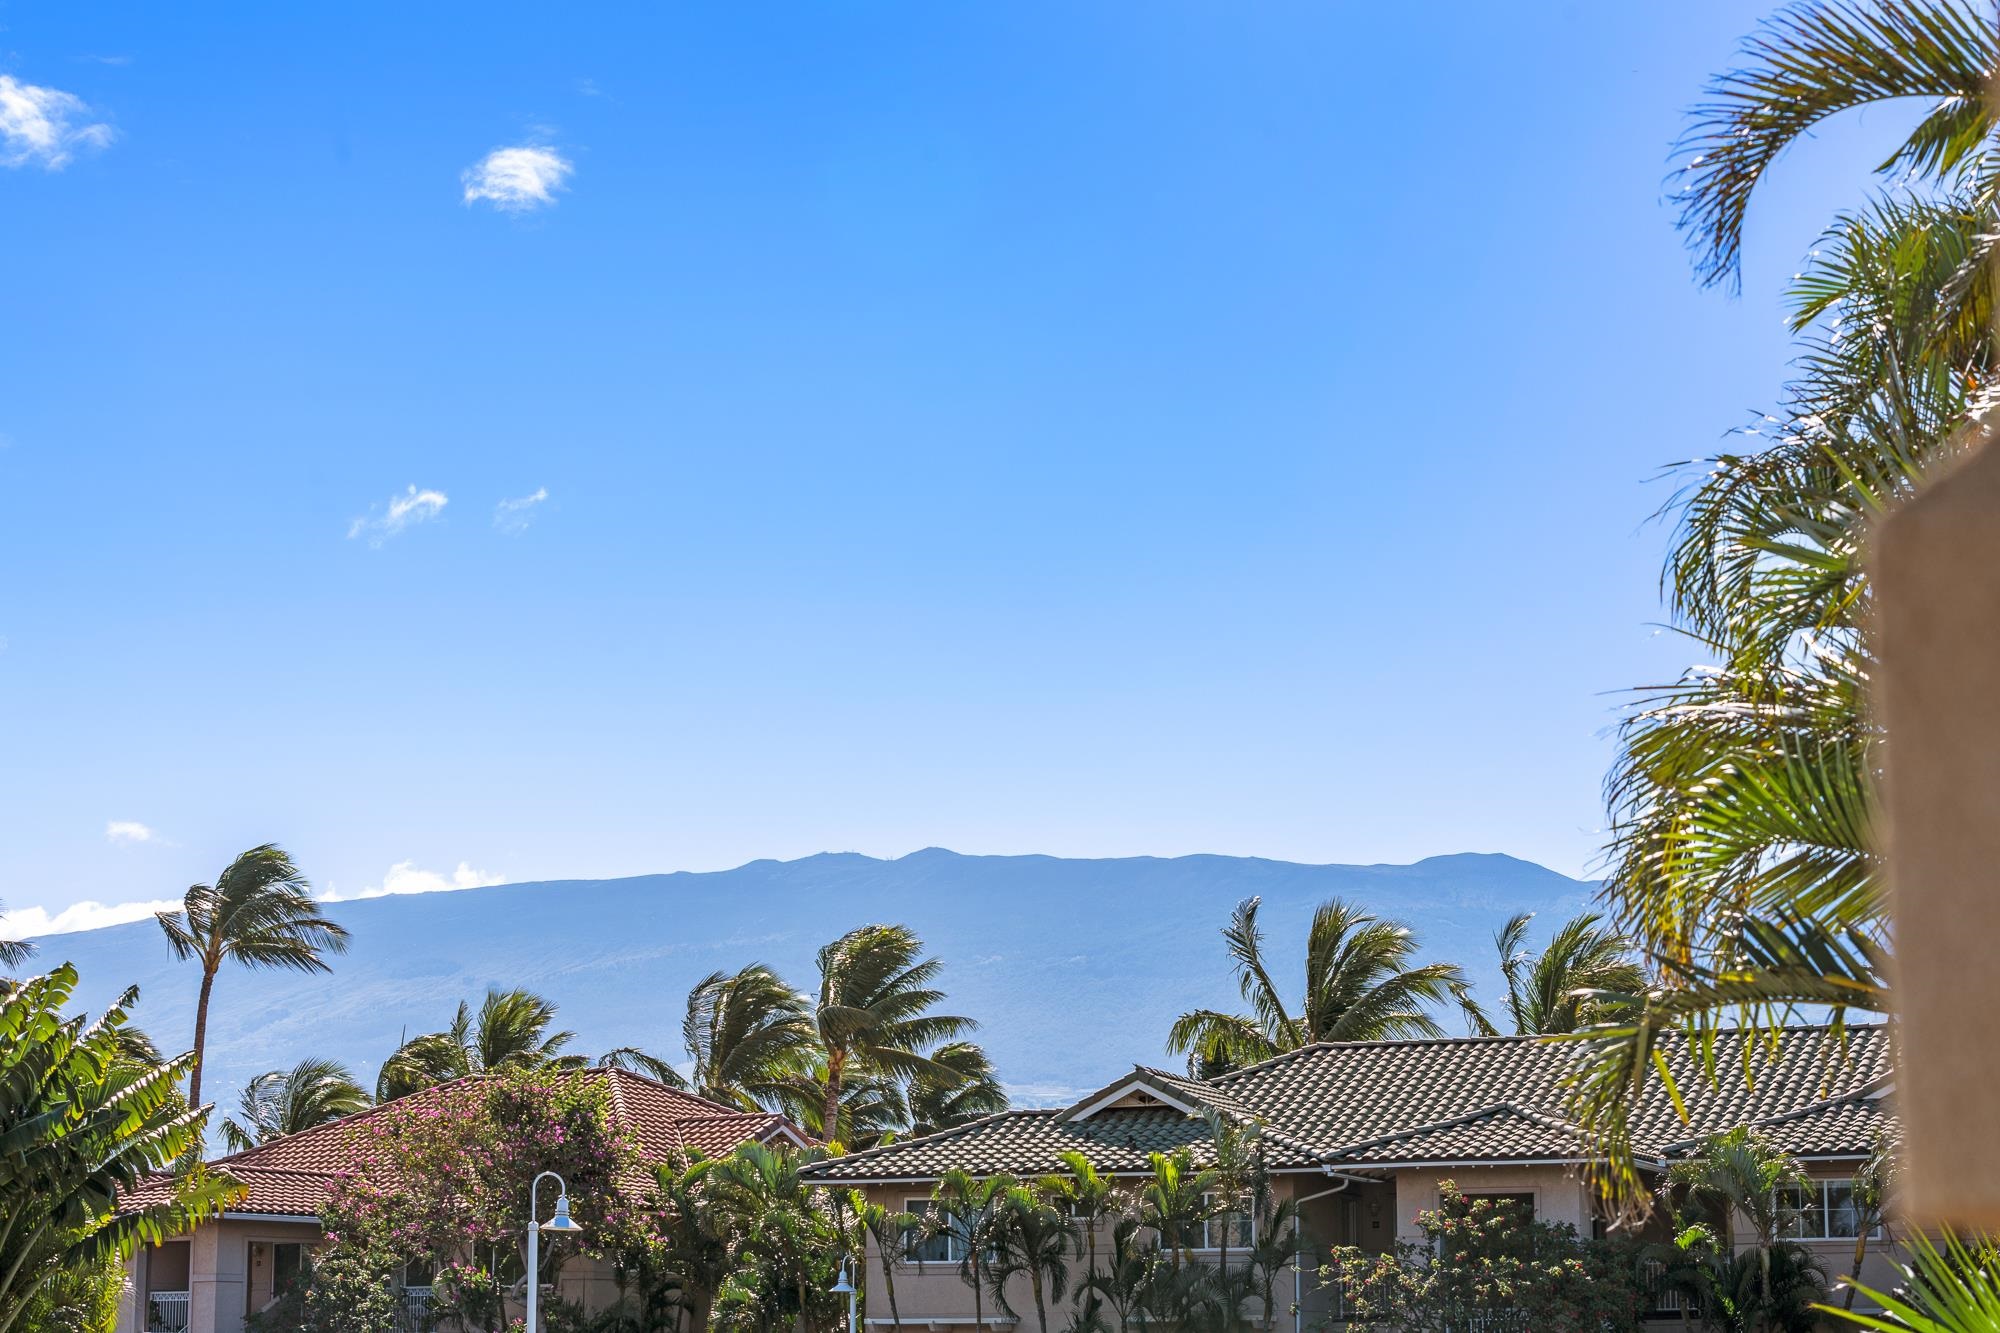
(167, 1312)
(413, 1306)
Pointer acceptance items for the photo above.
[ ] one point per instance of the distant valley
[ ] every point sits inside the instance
(1074, 968)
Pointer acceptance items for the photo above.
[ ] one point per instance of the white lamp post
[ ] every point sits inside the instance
(844, 1286)
(562, 1224)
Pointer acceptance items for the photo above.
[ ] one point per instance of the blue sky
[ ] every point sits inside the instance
(1087, 429)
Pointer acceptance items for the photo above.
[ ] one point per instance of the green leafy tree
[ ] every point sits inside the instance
(1564, 987)
(510, 1031)
(790, 1243)
(872, 1105)
(312, 1092)
(875, 1013)
(260, 912)
(748, 1034)
(1361, 984)
(83, 1128)
(1031, 1238)
(1273, 1248)
(444, 1180)
(1487, 1264)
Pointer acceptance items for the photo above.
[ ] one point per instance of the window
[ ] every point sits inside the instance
(1820, 1210)
(946, 1245)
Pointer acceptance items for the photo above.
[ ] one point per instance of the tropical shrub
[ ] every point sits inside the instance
(1487, 1261)
(84, 1126)
(444, 1180)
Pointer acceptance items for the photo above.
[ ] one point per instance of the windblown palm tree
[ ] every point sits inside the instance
(749, 1035)
(874, 1013)
(1584, 975)
(260, 912)
(970, 1092)
(1361, 984)
(873, 1107)
(311, 1093)
(637, 1061)
(511, 1031)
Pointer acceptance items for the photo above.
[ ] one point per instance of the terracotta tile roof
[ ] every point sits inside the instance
(1377, 1105)
(291, 1176)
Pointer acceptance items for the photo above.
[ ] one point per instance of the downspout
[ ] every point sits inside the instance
(1299, 1255)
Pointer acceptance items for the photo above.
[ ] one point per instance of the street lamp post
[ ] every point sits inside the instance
(848, 1287)
(559, 1225)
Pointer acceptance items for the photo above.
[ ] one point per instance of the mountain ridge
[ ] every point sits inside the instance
(1074, 966)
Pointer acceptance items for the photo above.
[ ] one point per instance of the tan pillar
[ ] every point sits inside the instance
(1937, 589)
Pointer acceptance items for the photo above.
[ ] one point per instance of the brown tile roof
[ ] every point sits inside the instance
(1378, 1105)
(291, 1176)
(1501, 1133)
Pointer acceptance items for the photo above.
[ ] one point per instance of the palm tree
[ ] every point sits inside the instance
(312, 1092)
(873, 1107)
(1816, 60)
(1360, 985)
(748, 1034)
(1031, 1238)
(634, 1060)
(694, 1237)
(1570, 984)
(1741, 1172)
(1743, 859)
(83, 1127)
(1873, 1184)
(970, 1092)
(259, 912)
(14, 953)
(1174, 1200)
(511, 1031)
(1089, 1198)
(891, 1231)
(961, 1207)
(874, 1012)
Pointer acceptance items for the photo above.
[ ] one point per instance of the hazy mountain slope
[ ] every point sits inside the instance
(1074, 967)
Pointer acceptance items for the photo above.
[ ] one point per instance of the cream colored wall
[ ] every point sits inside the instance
(1560, 1192)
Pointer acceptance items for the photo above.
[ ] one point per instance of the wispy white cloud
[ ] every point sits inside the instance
(407, 877)
(512, 516)
(412, 506)
(129, 830)
(44, 127)
(27, 922)
(517, 179)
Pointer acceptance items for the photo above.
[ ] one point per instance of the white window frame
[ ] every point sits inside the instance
(953, 1242)
(1208, 1225)
(1825, 1185)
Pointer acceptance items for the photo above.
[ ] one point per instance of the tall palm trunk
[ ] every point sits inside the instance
(1041, 1307)
(889, 1286)
(200, 1033)
(836, 1062)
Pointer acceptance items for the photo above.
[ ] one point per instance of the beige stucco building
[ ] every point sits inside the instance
(1362, 1135)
